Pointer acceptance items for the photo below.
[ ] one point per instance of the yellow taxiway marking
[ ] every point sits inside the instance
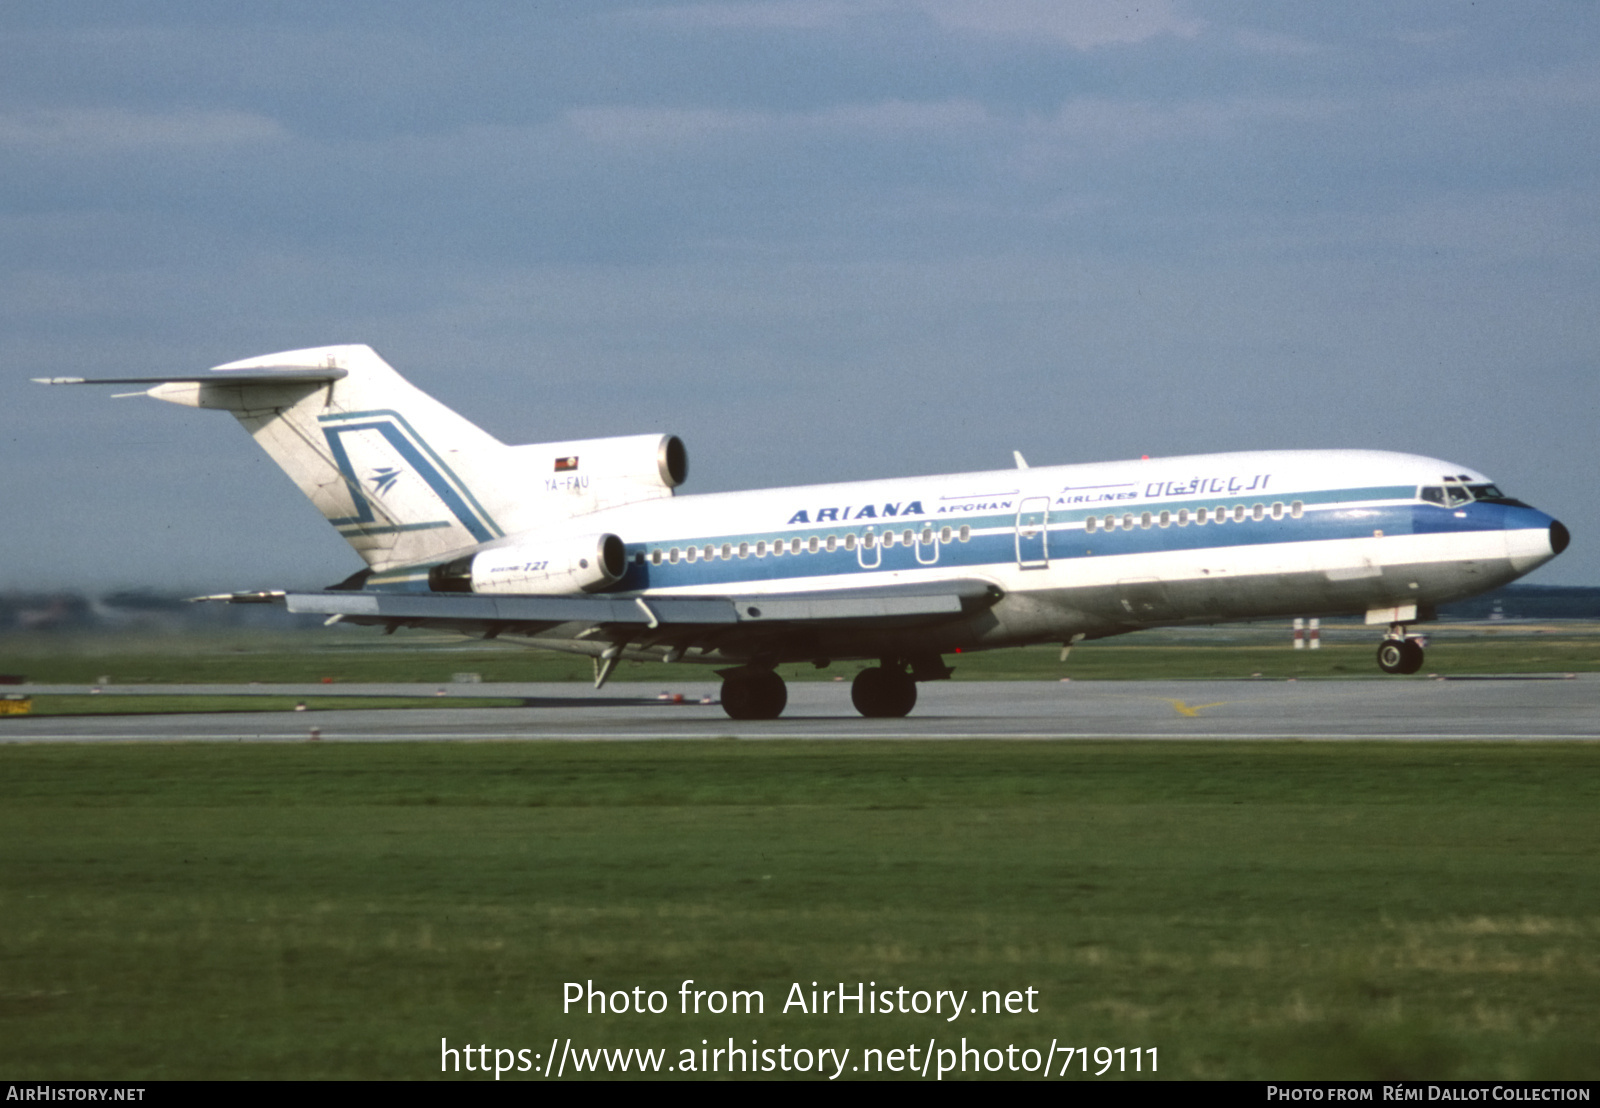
(1191, 709)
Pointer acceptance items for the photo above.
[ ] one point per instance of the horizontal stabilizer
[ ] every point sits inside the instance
(267, 375)
(260, 596)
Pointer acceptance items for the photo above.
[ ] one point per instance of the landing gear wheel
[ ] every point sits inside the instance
(1400, 656)
(880, 693)
(755, 696)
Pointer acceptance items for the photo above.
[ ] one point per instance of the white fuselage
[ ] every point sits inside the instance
(1088, 550)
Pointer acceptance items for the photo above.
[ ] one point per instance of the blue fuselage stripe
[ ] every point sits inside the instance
(993, 542)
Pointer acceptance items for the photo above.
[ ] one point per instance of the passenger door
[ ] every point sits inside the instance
(1033, 516)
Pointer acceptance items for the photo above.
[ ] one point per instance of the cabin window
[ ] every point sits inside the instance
(1297, 509)
(778, 547)
(727, 551)
(1145, 520)
(1089, 525)
(1258, 512)
(927, 536)
(1238, 513)
(761, 548)
(1127, 521)
(908, 537)
(850, 541)
(888, 538)
(1165, 519)
(1277, 509)
(744, 550)
(830, 544)
(1183, 517)
(812, 544)
(1200, 516)
(672, 555)
(711, 552)
(944, 535)
(869, 540)
(965, 533)
(655, 557)
(638, 559)
(794, 546)
(691, 554)
(1221, 514)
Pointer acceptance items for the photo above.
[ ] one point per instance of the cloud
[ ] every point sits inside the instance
(779, 15)
(639, 126)
(1274, 43)
(118, 130)
(1555, 226)
(1120, 123)
(1080, 24)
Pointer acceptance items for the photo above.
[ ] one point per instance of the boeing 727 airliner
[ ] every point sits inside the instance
(584, 546)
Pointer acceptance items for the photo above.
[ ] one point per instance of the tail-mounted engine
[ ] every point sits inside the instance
(559, 567)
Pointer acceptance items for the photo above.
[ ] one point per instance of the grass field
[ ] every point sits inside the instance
(1251, 910)
(365, 656)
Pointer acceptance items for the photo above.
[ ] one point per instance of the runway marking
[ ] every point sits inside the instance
(1192, 710)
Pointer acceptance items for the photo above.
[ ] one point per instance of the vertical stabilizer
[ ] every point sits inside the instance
(402, 477)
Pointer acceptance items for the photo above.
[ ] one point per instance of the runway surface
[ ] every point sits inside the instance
(1547, 707)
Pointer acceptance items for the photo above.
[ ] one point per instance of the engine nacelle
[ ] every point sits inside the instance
(559, 567)
(559, 480)
(649, 461)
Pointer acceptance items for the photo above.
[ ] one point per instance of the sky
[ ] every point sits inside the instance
(819, 240)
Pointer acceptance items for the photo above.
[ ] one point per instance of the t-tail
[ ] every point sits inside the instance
(403, 478)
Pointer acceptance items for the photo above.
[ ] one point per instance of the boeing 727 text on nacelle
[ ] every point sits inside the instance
(585, 547)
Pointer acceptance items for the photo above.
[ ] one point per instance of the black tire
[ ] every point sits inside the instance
(755, 696)
(1400, 655)
(880, 693)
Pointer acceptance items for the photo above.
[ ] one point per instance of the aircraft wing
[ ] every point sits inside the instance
(932, 601)
(732, 625)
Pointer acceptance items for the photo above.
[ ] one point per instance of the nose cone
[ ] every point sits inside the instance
(1533, 538)
(1560, 537)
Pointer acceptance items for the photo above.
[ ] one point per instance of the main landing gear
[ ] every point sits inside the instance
(886, 691)
(1399, 654)
(754, 695)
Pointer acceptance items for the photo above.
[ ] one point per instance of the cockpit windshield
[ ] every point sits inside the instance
(1455, 495)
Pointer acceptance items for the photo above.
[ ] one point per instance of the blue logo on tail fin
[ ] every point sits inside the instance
(383, 478)
(419, 458)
